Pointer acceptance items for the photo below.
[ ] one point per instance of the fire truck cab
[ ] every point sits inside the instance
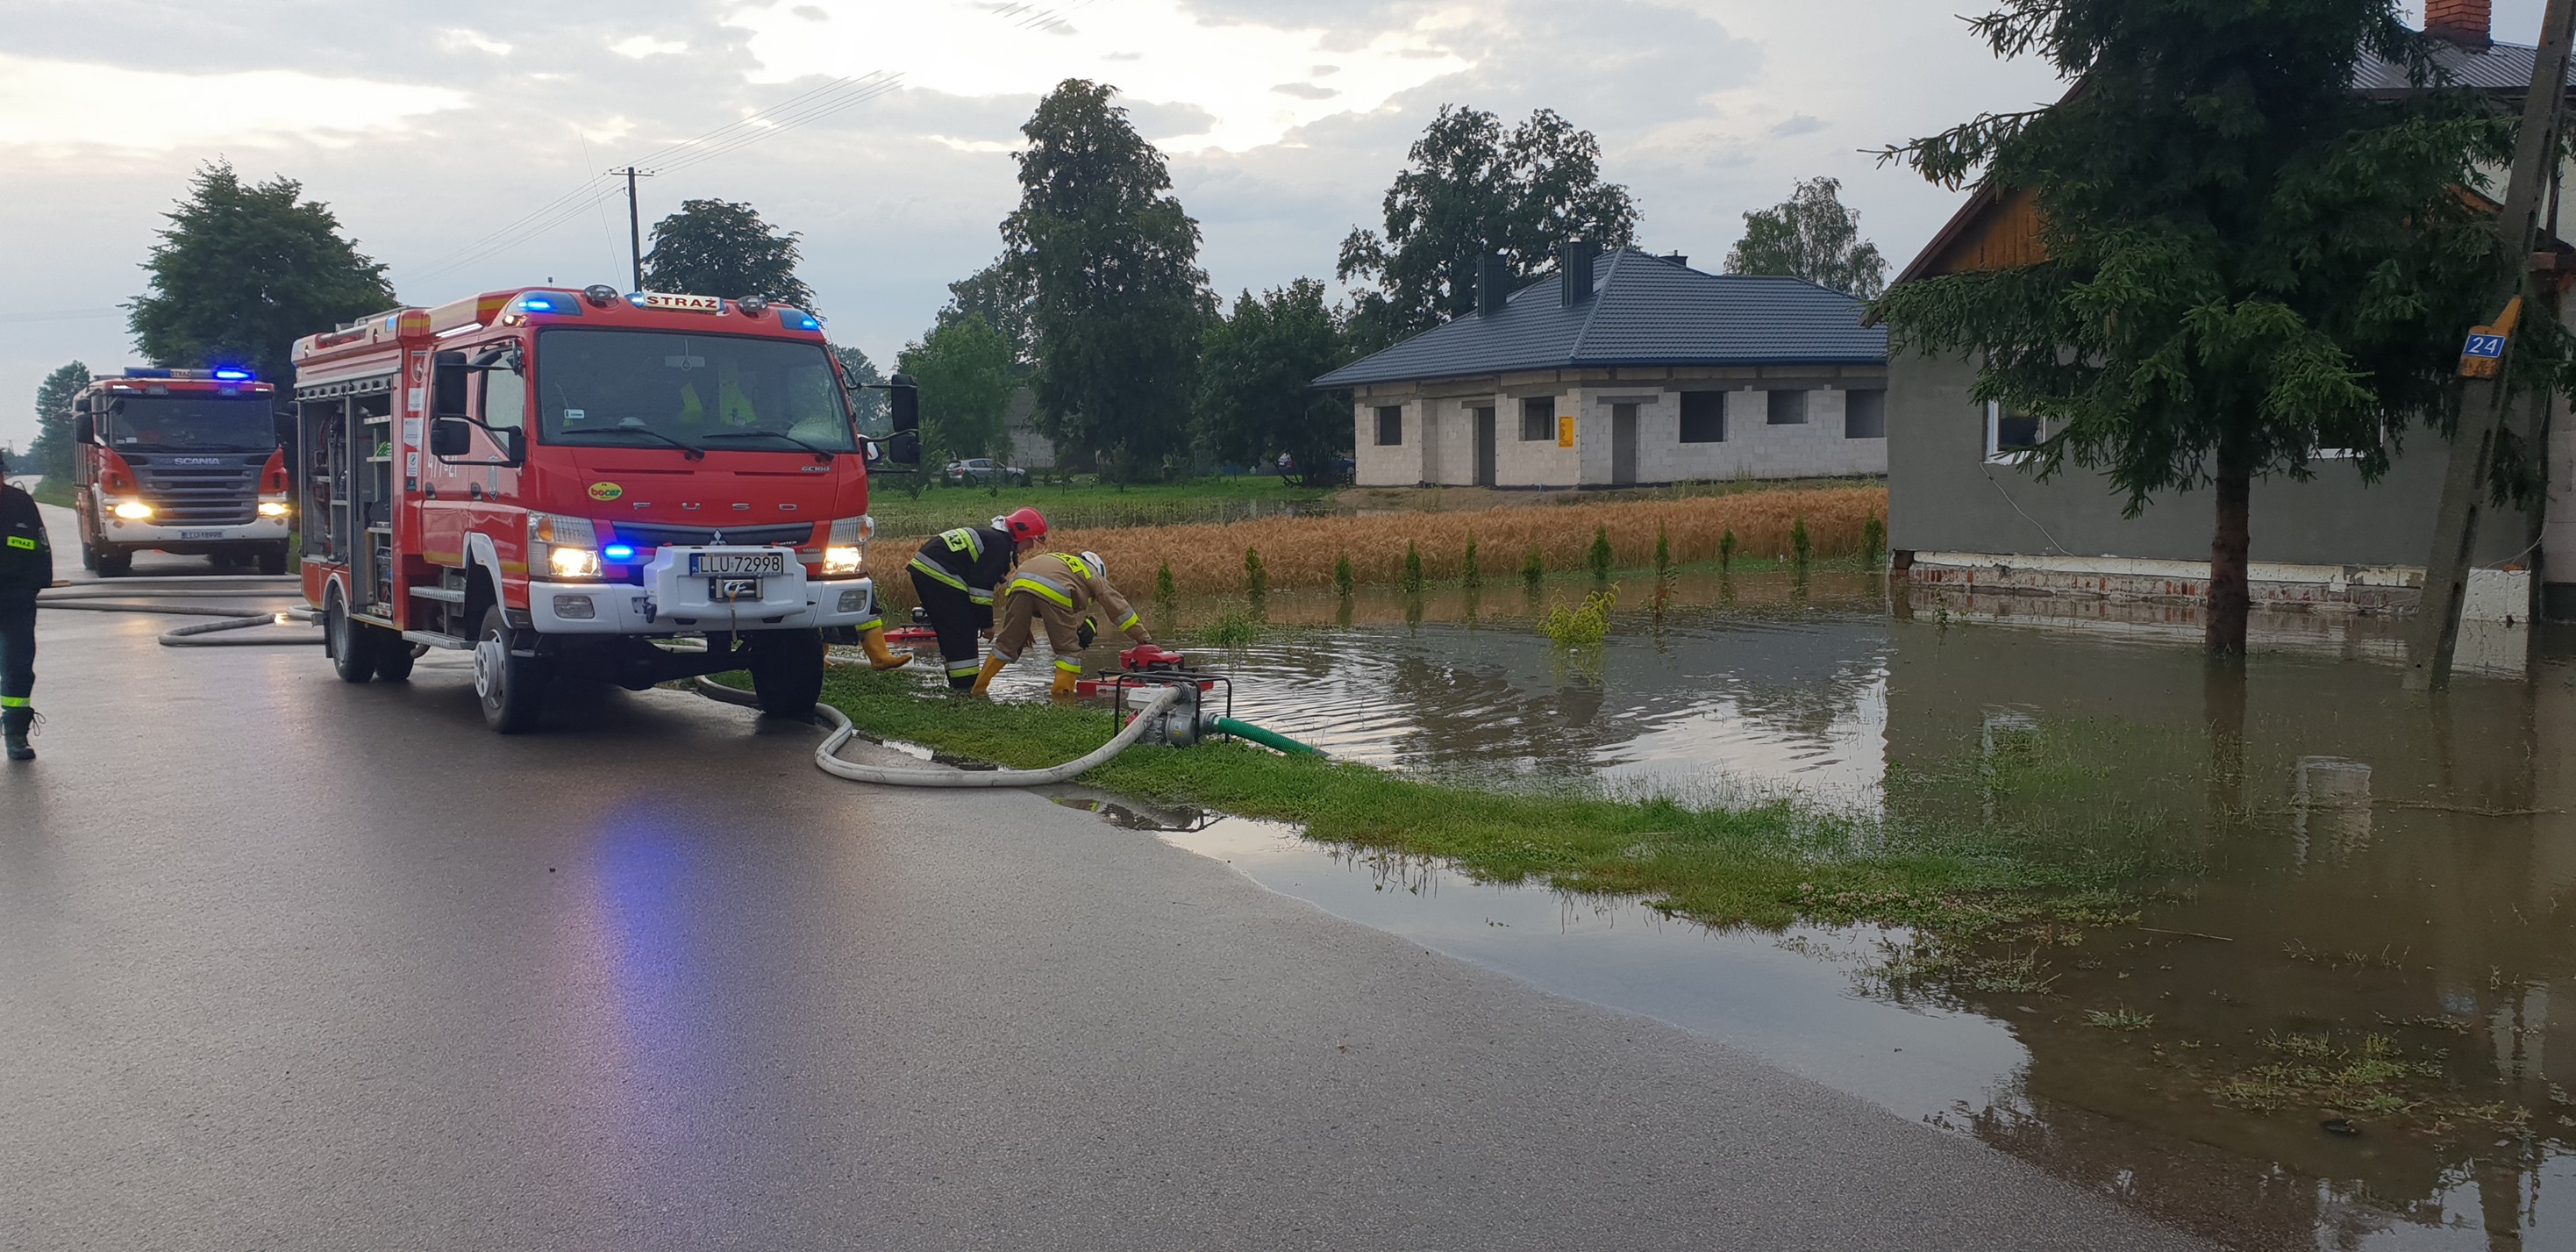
(183, 461)
(566, 482)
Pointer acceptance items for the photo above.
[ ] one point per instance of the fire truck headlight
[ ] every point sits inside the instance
(840, 560)
(272, 508)
(133, 510)
(573, 563)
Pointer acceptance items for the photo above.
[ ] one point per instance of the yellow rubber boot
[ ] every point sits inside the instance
(1064, 681)
(992, 665)
(879, 655)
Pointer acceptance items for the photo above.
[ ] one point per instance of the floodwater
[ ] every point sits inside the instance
(2347, 1018)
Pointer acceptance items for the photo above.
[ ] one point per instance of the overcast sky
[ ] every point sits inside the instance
(430, 129)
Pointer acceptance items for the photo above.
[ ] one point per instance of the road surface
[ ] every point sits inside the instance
(289, 964)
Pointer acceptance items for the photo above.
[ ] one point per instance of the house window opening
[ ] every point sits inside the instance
(1788, 408)
(1390, 425)
(2010, 435)
(1864, 415)
(1538, 419)
(1703, 417)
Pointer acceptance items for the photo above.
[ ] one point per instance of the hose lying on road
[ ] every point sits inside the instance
(189, 636)
(826, 758)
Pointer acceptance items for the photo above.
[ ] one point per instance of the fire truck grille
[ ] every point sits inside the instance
(704, 536)
(214, 491)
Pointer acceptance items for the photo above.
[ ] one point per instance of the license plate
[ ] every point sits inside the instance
(738, 563)
(732, 590)
(201, 534)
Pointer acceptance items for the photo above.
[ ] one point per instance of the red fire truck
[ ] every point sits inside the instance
(563, 482)
(182, 461)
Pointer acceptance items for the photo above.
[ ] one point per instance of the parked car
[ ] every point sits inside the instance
(981, 470)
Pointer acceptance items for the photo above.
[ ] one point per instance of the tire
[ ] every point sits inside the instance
(511, 688)
(787, 672)
(115, 562)
(394, 655)
(89, 556)
(272, 560)
(352, 645)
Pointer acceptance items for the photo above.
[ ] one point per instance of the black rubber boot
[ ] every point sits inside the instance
(14, 725)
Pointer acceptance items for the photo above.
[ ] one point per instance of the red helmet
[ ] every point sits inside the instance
(1025, 524)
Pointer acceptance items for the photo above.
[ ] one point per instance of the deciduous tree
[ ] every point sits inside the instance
(964, 368)
(1255, 368)
(243, 270)
(719, 248)
(1812, 236)
(1470, 188)
(2246, 261)
(51, 454)
(1111, 262)
(1002, 294)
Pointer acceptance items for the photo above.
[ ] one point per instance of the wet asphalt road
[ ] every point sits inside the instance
(286, 963)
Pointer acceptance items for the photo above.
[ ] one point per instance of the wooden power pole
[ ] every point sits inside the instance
(634, 224)
(2484, 398)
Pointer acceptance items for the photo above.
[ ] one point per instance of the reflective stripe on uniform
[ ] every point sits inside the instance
(979, 595)
(1070, 667)
(937, 574)
(965, 669)
(964, 539)
(873, 623)
(1129, 624)
(1042, 589)
(16, 702)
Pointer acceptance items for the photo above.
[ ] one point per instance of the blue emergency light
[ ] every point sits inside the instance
(538, 304)
(618, 552)
(233, 375)
(804, 321)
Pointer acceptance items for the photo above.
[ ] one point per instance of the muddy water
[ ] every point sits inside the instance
(2353, 882)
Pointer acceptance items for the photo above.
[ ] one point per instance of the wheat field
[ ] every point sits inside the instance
(1300, 552)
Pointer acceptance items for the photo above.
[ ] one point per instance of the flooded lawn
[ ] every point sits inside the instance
(2331, 1026)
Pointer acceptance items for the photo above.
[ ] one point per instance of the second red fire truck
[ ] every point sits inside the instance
(565, 482)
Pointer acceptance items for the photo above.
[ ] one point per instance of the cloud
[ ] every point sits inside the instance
(641, 46)
(473, 40)
(1305, 91)
(63, 104)
(1797, 124)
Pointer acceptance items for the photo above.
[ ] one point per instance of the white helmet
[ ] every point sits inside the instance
(1099, 568)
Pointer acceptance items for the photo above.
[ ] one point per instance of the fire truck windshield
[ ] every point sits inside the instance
(191, 422)
(627, 388)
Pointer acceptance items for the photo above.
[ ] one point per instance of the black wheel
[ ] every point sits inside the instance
(512, 688)
(787, 671)
(352, 645)
(89, 556)
(394, 655)
(272, 560)
(114, 562)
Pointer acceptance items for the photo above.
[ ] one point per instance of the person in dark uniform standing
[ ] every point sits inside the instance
(26, 567)
(955, 573)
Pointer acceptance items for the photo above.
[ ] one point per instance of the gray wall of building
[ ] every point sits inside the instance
(1944, 497)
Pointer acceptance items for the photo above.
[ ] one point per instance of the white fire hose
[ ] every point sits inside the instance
(105, 597)
(826, 757)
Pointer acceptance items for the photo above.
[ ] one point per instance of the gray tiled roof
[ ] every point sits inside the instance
(1646, 310)
(2497, 67)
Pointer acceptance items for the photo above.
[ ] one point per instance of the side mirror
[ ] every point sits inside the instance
(450, 438)
(903, 400)
(80, 404)
(514, 445)
(84, 429)
(449, 375)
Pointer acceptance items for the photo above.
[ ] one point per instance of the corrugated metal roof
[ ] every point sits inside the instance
(1645, 310)
(2497, 67)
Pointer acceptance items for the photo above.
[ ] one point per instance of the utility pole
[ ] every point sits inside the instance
(2484, 398)
(634, 223)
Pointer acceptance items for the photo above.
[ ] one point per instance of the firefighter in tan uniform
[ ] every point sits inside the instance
(1071, 594)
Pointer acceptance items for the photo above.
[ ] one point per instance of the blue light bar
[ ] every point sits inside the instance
(803, 321)
(617, 552)
(538, 304)
(233, 375)
(145, 371)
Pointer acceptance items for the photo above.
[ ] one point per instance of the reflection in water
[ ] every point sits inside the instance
(2337, 1025)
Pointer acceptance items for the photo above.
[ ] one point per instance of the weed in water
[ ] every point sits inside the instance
(1873, 539)
(1580, 626)
(1233, 630)
(1726, 548)
(1342, 578)
(2118, 1019)
(1533, 571)
(1163, 582)
(1799, 543)
(1470, 575)
(1599, 557)
(1256, 576)
(1412, 579)
(1663, 553)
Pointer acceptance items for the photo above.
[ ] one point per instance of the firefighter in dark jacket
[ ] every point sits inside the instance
(955, 574)
(26, 567)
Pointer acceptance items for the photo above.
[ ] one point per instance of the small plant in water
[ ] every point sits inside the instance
(1873, 539)
(1469, 574)
(1583, 625)
(1799, 544)
(1726, 548)
(1600, 554)
(1233, 630)
(1163, 582)
(1342, 575)
(1256, 577)
(1412, 567)
(1663, 553)
(1533, 571)
(2118, 1019)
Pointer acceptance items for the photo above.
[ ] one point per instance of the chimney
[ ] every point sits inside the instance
(1493, 283)
(2464, 23)
(1681, 259)
(1574, 271)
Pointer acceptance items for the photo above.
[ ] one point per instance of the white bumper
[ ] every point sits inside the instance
(146, 534)
(673, 601)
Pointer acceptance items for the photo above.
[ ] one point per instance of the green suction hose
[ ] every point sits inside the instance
(1266, 738)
